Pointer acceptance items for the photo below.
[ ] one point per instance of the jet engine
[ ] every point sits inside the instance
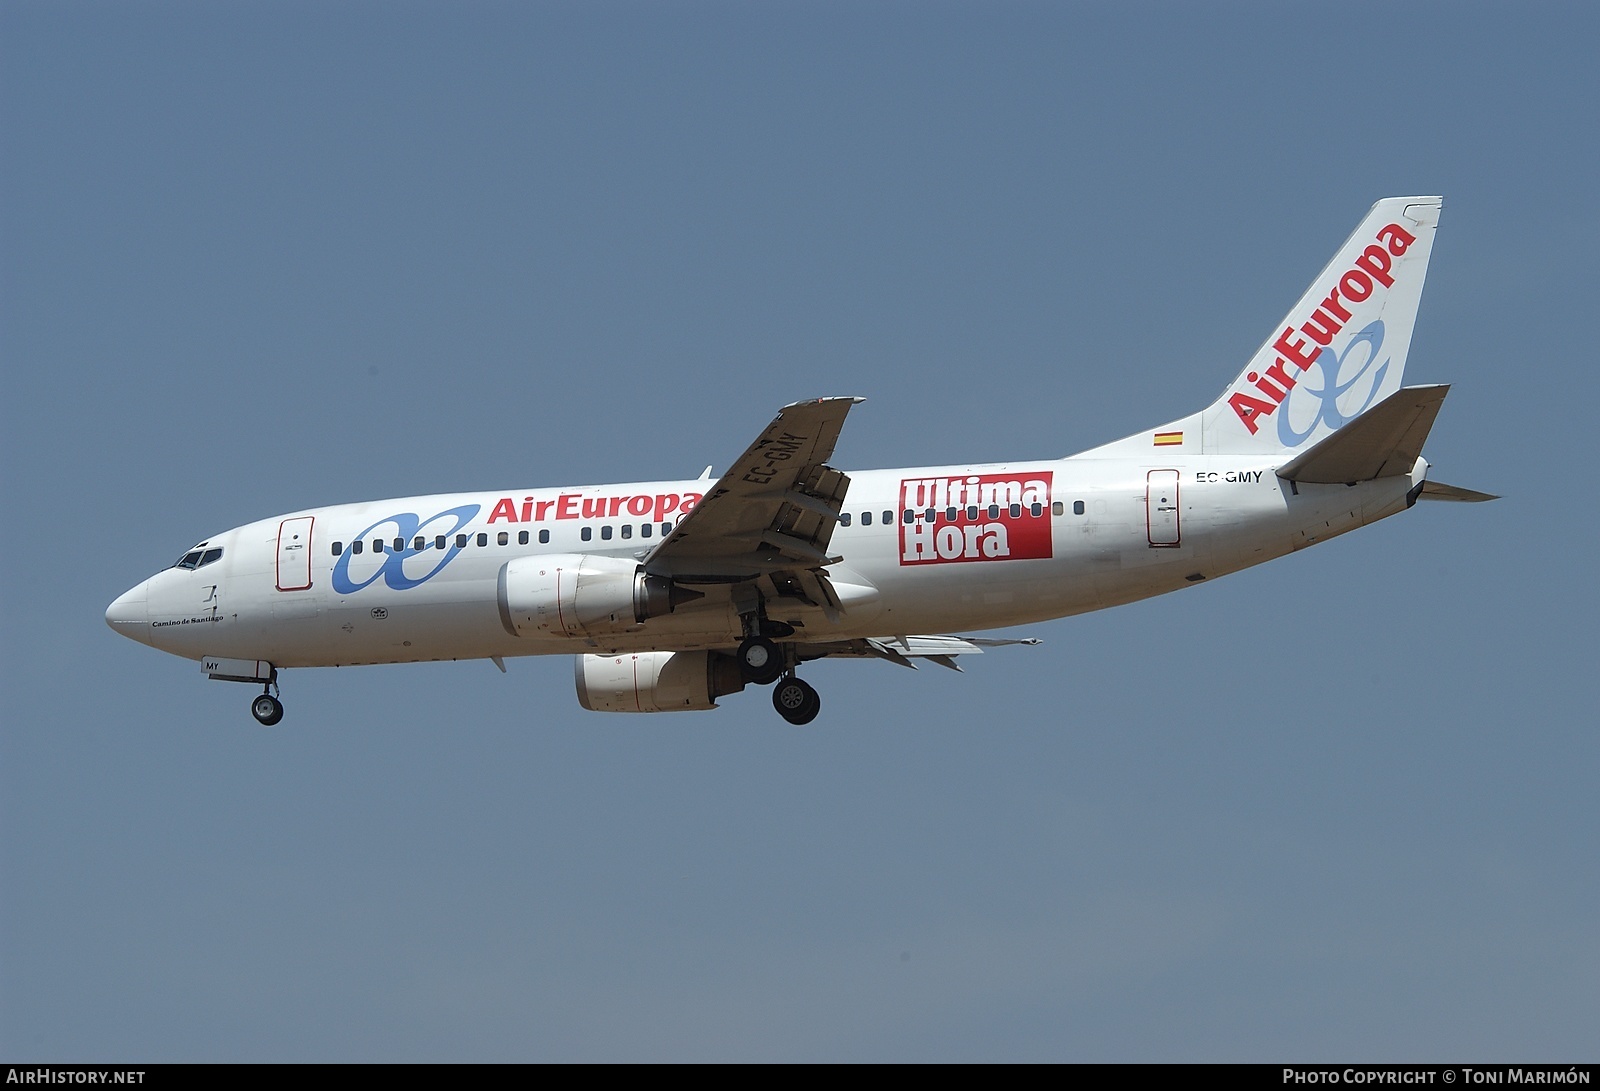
(576, 594)
(655, 681)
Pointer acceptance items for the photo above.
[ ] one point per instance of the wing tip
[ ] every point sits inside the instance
(850, 399)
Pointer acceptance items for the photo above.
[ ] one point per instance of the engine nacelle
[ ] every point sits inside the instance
(577, 594)
(654, 681)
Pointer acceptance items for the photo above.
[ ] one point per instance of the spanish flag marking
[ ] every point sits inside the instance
(1169, 439)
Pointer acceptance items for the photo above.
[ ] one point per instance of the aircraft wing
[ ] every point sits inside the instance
(772, 513)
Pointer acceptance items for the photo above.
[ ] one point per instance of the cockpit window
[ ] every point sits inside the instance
(198, 558)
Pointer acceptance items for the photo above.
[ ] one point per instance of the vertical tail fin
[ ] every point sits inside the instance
(1342, 348)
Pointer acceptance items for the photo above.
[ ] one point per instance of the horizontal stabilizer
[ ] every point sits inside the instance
(1438, 490)
(1385, 441)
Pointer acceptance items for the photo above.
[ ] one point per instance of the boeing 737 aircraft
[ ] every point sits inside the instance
(670, 594)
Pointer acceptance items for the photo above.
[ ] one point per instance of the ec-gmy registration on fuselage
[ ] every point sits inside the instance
(671, 594)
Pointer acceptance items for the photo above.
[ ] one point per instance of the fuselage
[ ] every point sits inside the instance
(924, 549)
(673, 593)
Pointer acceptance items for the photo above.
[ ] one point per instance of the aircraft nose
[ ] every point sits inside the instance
(129, 616)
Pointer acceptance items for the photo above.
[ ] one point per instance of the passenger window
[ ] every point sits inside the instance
(994, 511)
(338, 548)
(866, 518)
(972, 511)
(586, 533)
(844, 519)
(627, 530)
(605, 533)
(504, 537)
(644, 531)
(1057, 508)
(1036, 510)
(438, 541)
(483, 540)
(419, 543)
(355, 546)
(949, 515)
(931, 514)
(377, 545)
(1016, 511)
(1077, 507)
(544, 536)
(461, 541)
(888, 518)
(666, 529)
(908, 516)
(522, 537)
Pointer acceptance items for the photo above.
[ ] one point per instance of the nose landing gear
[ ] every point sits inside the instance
(267, 709)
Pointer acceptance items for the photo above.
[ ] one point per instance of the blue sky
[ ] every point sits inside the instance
(258, 257)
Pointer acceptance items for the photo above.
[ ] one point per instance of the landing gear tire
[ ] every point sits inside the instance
(760, 661)
(796, 701)
(267, 709)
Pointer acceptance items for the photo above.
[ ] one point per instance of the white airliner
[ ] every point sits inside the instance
(670, 594)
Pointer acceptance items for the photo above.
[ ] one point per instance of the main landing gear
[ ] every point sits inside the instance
(762, 661)
(796, 701)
